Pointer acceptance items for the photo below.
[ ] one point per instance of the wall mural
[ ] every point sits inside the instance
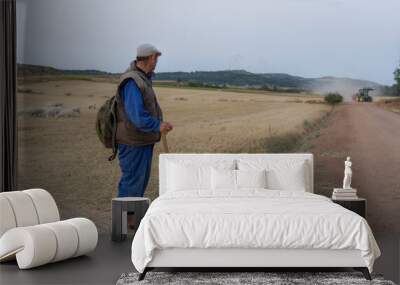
(265, 89)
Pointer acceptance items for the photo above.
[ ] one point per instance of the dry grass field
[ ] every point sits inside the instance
(64, 156)
(389, 103)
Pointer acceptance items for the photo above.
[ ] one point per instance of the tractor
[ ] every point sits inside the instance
(363, 96)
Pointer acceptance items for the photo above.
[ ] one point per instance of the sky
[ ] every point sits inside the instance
(309, 38)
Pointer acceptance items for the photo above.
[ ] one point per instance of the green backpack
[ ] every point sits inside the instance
(106, 125)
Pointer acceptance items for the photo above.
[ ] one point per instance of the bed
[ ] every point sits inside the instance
(245, 211)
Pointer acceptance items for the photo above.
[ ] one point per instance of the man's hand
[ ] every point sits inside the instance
(165, 127)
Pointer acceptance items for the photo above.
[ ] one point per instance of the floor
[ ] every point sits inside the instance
(103, 266)
(110, 260)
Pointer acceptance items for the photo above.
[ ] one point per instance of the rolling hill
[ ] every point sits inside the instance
(236, 78)
(345, 86)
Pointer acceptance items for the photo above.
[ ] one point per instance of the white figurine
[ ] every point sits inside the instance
(347, 174)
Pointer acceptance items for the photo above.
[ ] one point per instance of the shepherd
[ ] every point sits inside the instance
(140, 122)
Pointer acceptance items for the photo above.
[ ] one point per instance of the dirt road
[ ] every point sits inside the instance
(371, 136)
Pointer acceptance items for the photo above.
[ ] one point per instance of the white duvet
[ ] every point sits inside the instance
(252, 218)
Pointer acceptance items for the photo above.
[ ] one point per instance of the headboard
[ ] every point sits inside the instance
(165, 157)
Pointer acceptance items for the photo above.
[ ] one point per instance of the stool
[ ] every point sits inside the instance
(120, 208)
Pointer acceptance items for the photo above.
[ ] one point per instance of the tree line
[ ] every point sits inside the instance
(393, 90)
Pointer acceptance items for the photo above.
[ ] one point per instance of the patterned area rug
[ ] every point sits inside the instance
(233, 278)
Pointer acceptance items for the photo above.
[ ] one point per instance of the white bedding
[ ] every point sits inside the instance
(251, 218)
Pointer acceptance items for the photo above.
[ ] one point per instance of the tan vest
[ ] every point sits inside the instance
(127, 132)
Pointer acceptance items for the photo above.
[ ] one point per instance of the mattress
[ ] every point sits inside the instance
(251, 219)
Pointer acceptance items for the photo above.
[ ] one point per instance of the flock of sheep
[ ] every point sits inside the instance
(56, 110)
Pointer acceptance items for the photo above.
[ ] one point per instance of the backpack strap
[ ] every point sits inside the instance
(114, 130)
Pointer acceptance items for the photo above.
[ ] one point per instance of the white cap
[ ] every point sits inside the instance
(146, 50)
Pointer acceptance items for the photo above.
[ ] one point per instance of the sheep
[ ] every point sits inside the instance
(51, 112)
(69, 113)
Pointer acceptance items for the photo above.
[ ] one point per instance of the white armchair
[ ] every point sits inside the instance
(31, 230)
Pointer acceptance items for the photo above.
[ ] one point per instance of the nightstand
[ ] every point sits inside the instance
(358, 205)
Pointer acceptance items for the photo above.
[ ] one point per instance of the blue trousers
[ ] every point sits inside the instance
(135, 163)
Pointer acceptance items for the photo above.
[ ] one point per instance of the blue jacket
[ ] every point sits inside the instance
(134, 108)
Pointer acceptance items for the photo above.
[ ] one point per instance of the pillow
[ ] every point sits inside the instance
(251, 178)
(229, 179)
(190, 175)
(223, 179)
(187, 177)
(281, 174)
